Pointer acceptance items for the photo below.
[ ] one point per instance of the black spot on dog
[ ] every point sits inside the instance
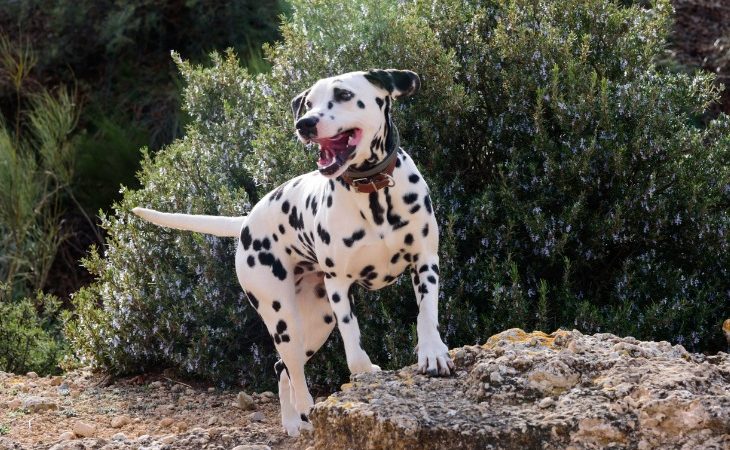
(275, 237)
(329, 201)
(279, 368)
(266, 243)
(375, 208)
(388, 278)
(251, 261)
(277, 268)
(435, 268)
(346, 319)
(431, 279)
(366, 270)
(287, 250)
(285, 338)
(408, 239)
(336, 297)
(393, 218)
(332, 117)
(276, 305)
(304, 417)
(320, 291)
(425, 230)
(295, 219)
(245, 238)
(395, 258)
(277, 339)
(330, 105)
(379, 101)
(285, 207)
(360, 104)
(281, 327)
(282, 230)
(252, 299)
(410, 198)
(298, 270)
(328, 262)
(356, 236)
(415, 209)
(427, 203)
(397, 162)
(423, 268)
(328, 318)
(256, 244)
(407, 257)
(309, 353)
(323, 234)
(413, 178)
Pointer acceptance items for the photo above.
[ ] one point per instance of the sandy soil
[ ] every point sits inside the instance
(151, 411)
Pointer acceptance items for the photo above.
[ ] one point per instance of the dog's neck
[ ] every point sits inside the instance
(383, 147)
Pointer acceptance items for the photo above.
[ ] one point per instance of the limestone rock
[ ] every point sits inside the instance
(84, 429)
(120, 421)
(39, 404)
(533, 390)
(245, 401)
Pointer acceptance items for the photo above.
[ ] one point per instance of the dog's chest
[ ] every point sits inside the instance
(372, 238)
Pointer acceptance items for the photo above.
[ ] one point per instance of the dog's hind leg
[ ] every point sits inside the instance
(317, 320)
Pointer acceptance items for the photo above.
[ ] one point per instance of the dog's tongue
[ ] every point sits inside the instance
(335, 150)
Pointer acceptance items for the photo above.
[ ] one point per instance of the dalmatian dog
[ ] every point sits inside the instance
(362, 218)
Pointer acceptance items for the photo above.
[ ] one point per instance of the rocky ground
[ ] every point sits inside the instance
(79, 411)
(536, 391)
(519, 390)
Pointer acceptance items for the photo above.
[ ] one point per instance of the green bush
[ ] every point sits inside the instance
(572, 183)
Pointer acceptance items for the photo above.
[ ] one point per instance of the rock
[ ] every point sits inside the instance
(31, 375)
(534, 390)
(252, 447)
(15, 403)
(258, 416)
(84, 429)
(120, 421)
(36, 404)
(56, 381)
(67, 436)
(268, 394)
(177, 388)
(212, 420)
(169, 439)
(211, 389)
(245, 402)
(119, 437)
(166, 422)
(156, 384)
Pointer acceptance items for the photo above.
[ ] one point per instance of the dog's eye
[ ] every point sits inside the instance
(343, 95)
(308, 104)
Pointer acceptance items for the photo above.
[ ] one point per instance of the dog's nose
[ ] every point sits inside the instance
(307, 126)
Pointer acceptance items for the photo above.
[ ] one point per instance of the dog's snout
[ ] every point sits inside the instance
(307, 126)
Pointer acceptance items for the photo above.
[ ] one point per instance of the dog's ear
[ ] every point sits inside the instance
(399, 83)
(297, 105)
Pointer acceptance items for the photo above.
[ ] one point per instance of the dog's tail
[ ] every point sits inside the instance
(216, 225)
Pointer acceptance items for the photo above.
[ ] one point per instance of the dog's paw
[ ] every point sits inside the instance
(362, 364)
(295, 427)
(434, 359)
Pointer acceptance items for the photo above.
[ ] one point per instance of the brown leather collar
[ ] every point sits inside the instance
(373, 183)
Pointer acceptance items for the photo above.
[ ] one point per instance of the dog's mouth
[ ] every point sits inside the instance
(336, 150)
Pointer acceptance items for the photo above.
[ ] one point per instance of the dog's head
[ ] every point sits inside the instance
(348, 116)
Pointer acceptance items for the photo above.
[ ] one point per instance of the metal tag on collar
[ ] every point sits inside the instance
(368, 181)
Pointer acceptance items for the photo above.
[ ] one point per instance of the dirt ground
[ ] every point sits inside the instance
(81, 411)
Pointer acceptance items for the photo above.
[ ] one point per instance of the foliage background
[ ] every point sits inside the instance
(83, 85)
(576, 181)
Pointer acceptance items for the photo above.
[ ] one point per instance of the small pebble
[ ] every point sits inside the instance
(258, 416)
(84, 429)
(66, 436)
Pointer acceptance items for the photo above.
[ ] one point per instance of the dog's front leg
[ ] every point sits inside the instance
(338, 291)
(433, 356)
